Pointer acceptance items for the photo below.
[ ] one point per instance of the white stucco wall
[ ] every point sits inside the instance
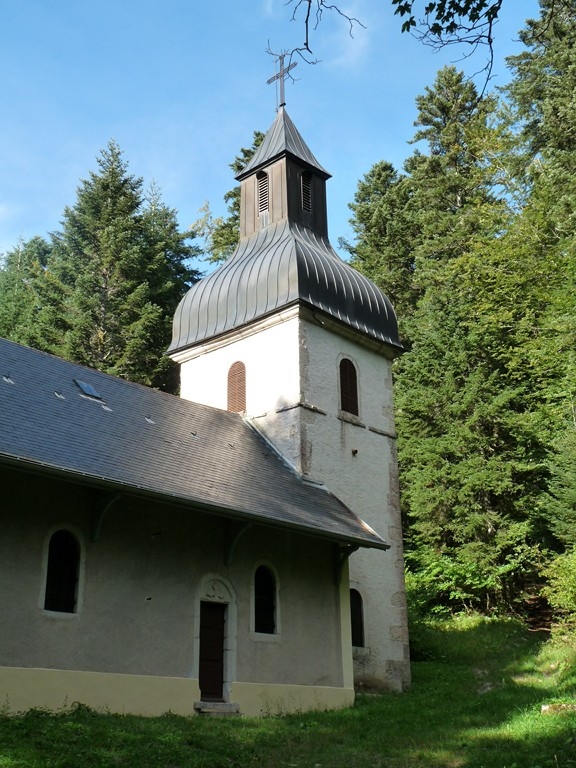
(356, 458)
(292, 397)
(269, 350)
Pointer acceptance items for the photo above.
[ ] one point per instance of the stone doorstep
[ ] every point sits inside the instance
(221, 708)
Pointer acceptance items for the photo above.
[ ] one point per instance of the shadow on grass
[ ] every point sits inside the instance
(475, 704)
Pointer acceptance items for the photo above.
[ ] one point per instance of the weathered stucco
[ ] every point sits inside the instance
(356, 458)
(151, 696)
(292, 397)
(140, 586)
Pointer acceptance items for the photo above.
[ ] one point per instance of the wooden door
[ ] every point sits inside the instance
(212, 632)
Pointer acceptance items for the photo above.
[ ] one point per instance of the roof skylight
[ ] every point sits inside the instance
(88, 389)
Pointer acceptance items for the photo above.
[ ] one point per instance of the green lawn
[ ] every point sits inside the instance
(475, 702)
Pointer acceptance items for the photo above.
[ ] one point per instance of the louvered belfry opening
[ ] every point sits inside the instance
(237, 387)
(263, 192)
(348, 387)
(306, 190)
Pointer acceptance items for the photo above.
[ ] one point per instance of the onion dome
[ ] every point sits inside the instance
(284, 257)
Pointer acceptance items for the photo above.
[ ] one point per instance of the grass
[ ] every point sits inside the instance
(475, 702)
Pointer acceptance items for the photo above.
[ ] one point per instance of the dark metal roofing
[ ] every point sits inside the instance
(280, 265)
(282, 138)
(139, 440)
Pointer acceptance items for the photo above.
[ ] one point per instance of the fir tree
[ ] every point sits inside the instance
(21, 270)
(385, 233)
(542, 102)
(471, 458)
(106, 292)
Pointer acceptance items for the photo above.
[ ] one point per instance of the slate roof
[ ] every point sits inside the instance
(138, 440)
(278, 266)
(282, 138)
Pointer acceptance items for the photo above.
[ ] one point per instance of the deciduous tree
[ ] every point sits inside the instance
(470, 24)
(221, 234)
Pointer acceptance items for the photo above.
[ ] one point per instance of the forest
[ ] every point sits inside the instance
(473, 240)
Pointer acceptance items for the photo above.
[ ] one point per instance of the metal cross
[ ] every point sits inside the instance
(282, 76)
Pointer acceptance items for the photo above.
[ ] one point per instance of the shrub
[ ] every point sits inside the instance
(560, 589)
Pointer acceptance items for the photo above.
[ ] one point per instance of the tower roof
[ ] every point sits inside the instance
(279, 266)
(282, 138)
(285, 262)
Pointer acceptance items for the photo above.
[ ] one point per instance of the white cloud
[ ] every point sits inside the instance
(270, 8)
(349, 51)
(342, 40)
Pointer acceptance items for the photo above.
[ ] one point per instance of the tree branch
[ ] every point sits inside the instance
(313, 18)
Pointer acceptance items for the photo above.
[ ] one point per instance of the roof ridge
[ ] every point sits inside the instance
(282, 138)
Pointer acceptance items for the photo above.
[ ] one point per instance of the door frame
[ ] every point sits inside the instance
(214, 588)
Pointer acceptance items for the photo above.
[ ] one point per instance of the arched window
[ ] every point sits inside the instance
(348, 387)
(62, 573)
(264, 601)
(306, 190)
(237, 387)
(263, 196)
(357, 618)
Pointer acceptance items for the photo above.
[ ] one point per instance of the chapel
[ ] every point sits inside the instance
(237, 549)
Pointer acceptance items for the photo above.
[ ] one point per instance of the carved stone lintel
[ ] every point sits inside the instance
(216, 592)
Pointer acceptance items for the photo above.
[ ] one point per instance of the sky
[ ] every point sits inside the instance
(180, 85)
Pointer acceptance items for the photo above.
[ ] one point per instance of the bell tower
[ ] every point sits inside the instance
(301, 344)
(283, 180)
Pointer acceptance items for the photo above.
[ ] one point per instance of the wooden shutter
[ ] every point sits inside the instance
(348, 387)
(262, 182)
(237, 387)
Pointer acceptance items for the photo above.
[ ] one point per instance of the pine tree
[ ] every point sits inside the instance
(452, 185)
(407, 225)
(473, 443)
(542, 102)
(472, 461)
(384, 235)
(115, 274)
(19, 301)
